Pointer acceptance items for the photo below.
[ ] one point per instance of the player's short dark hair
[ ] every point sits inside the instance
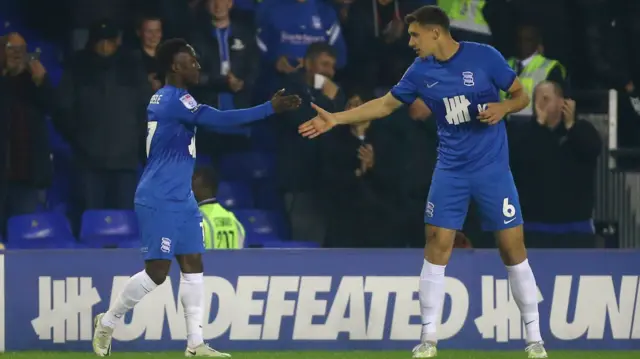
(208, 176)
(318, 48)
(168, 50)
(429, 15)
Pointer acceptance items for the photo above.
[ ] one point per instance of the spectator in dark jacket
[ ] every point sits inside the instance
(364, 173)
(101, 112)
(85, 14)
(553, 157)
(229, 59)
(298, 158)
(377, 41)
(25, 156)
(149, 31)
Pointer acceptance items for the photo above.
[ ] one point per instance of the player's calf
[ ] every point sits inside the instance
(523, 285)
(192, 299)
(439, 244)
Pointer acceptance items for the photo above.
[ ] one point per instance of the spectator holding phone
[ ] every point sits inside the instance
(25, 156)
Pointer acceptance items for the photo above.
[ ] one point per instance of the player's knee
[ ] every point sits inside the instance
(158, 270)
(190, 263)
(157, 277)
(440, 239)
(439, 245)
(511, 245)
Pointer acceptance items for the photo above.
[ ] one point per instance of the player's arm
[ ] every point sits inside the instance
(505, 79)
(207, 116)
(374, 109)
(210, 117)
(518, 98)
(404, 92)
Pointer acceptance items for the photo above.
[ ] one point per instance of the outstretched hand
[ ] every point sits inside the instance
(282, 103)
(318, 125)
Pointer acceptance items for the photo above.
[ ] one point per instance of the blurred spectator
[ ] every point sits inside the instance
(298, 158)
(229, 58)
(149, 32)
(181, 16)
(85, 14)
(553, 157)
(364, 176)
(222, 230)
(102, 98)
(532, 67)
(287, 27)
(461, 241)
(613, 49)
(377, 41)
(25, 156)
(467, 19)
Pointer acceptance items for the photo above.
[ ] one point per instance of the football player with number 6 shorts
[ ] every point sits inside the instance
(460, 82)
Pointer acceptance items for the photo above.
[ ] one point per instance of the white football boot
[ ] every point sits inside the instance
(425, 350)
(204, 350)
(101, 337)
(536, 350)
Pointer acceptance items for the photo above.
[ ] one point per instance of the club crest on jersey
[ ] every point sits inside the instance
(189, 102)
(316, 22)
(467, 78)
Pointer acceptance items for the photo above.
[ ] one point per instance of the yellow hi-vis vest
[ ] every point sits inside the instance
(466, 15)
(221, 228)
(536, 71)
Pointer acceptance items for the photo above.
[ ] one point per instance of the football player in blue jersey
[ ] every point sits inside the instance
(460, 82)
(169, 221)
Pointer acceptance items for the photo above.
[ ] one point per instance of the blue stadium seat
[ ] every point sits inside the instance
(266, 195)
(235, 195)
(263, 137)
(109, 228)
(262, 226)
(40, 230)
(246, 166)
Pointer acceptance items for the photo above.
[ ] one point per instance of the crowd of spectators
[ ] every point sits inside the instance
(359, 186)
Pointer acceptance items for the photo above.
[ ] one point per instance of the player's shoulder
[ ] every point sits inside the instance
(187, 101)
(177, 99)
(171, 102)
(479, 49)
(420, 65)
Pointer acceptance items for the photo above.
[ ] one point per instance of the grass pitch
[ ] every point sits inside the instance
(444, 354)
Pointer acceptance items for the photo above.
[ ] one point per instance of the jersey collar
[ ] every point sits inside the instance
(460, 48)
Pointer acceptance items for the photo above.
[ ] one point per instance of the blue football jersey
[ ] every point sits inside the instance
(456, 90)
(173, 115)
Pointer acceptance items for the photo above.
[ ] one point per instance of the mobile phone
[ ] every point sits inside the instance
(33, 56)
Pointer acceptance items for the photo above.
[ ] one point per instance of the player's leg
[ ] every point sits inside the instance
(155, 232)
(189, 257)
(445, 212)
(498, 202)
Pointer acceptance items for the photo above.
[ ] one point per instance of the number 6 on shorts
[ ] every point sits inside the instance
(508, 210)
